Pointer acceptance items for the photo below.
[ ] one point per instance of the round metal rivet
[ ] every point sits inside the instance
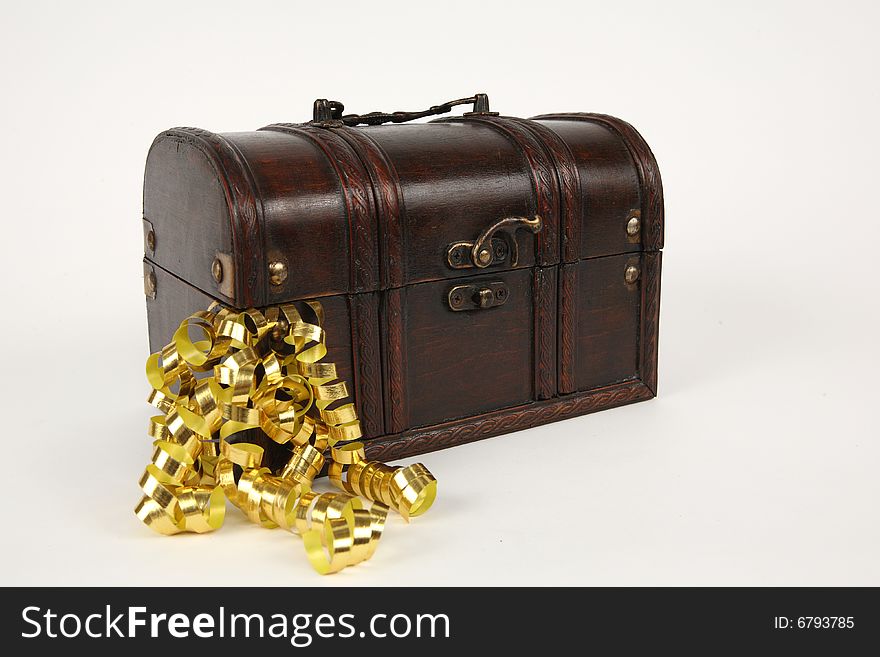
(485, 256)
(633, 226)
(151, 240)
(277, 272)
(631, 275)
(150, 284)
(217, 270)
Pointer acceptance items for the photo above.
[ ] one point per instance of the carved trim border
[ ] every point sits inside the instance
(571, 220)
(390, 209)
(568, 275)
(459, 432)
(245, 212)
(396, 407)
(646, 167)
(650, 330)
(364, 315)
(544, 180)
(544, 293)
(546, 186)
(391, 215)
(572, 214)
(358, 196)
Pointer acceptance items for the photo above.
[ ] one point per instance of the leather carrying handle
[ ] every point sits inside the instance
(330, 112)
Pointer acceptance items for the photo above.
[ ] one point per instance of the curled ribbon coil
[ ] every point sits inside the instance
(230, 386)
(409, 490)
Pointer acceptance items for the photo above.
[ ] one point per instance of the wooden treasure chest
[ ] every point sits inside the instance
(479, 274)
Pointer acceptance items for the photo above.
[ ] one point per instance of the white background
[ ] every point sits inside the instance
(758, 462)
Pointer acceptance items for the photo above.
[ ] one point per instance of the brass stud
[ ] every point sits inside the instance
(151, 240)
(277, 272)
(631, 275)
(217, 270)
(150, 284)
(633, 226)
(484, 256)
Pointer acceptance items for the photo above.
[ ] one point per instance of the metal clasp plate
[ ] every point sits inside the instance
(476, 297)
(493, 244)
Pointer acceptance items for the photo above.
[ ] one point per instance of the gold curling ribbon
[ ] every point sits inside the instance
(247, 455)
(203, 508)
(250, 497)
(279, 499)
(304, 465)
(409, 490)
(344, 538)
(231, 380)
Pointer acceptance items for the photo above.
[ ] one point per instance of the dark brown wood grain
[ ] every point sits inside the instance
(367, 363)
(646, 167)
(465, 363)
(544, 293)
(177, 194)
(175, 301)
(362, 219)
(394, 333)
(650, 325)
(567, 329)
(609, 188)
(389, 204)
(607, 314)
(543, 176)
(456, 179)
(571, 211)
(526, 416)
(359, 201)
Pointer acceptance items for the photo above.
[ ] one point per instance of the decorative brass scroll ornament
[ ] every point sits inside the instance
(228, 377)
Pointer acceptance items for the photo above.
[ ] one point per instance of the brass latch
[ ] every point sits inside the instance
(473, 297)
(493, 245)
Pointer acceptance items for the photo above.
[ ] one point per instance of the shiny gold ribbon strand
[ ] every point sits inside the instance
(227, 376)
